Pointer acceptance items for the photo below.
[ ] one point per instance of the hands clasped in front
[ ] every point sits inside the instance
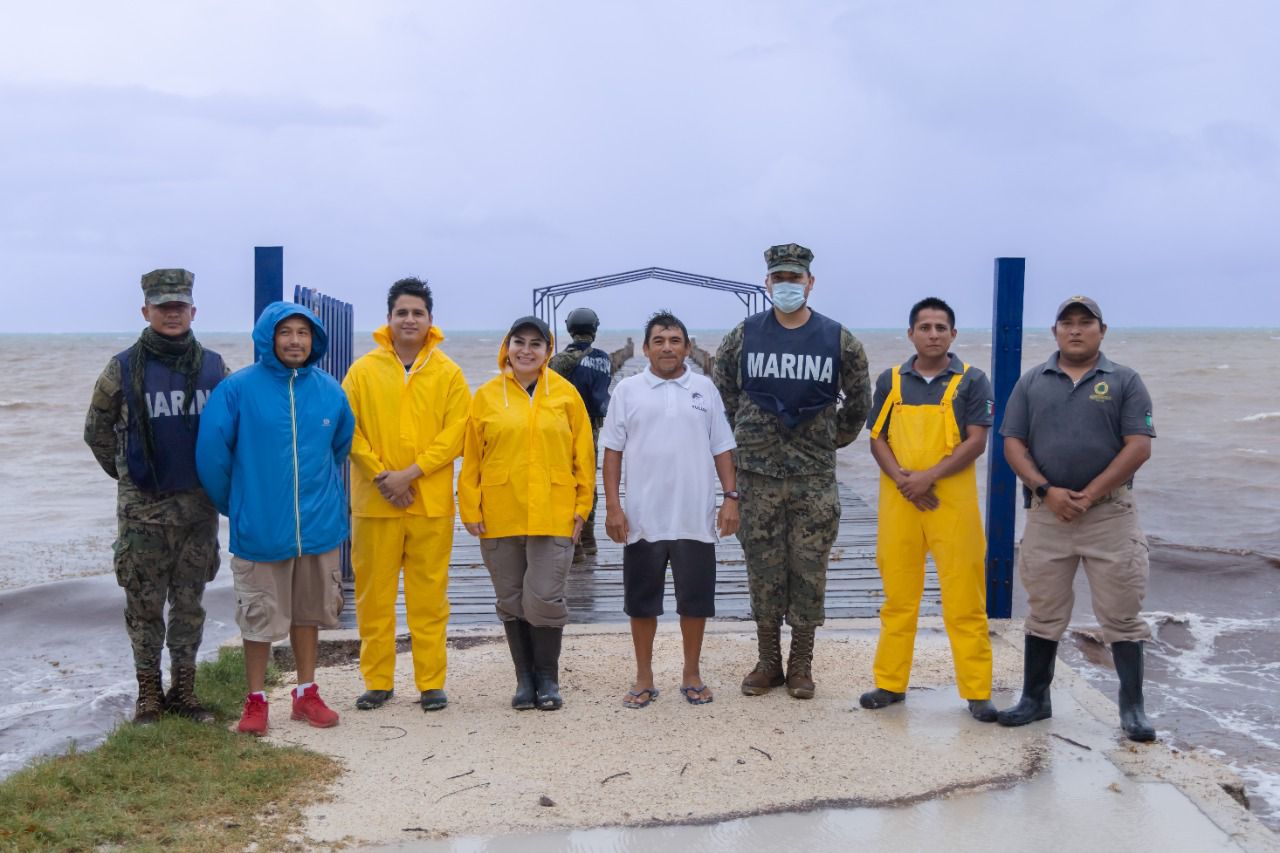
(396, 487)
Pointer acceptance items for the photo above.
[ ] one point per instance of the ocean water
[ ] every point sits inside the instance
(1212, 489)
(1213, 481)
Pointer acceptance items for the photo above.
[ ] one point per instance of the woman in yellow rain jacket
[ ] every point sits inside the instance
(528, 476)
(411, 402)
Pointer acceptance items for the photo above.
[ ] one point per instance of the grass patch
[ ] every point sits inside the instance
(175, 784)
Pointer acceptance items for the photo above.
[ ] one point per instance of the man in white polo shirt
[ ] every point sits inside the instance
(670, 426)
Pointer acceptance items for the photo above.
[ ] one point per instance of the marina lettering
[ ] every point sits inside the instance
(790, 366)
(163, 404)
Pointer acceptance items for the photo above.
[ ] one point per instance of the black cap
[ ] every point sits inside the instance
(531, 322)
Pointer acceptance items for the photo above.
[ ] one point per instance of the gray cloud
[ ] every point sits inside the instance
(496, 146)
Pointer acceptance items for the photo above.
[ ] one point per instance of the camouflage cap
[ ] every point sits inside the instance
(1084, 302)
(788, 257)
(161, 286)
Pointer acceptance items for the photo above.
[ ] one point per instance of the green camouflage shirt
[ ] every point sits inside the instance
(106, 432)
(765, 445)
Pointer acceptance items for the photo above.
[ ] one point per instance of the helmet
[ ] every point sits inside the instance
(582, 321)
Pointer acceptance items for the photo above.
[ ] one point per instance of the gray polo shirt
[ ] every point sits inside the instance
(972, 404)
(1074, 430)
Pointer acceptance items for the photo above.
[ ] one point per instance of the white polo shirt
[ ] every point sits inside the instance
(668, 431)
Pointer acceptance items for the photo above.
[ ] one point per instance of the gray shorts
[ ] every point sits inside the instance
(271, 597)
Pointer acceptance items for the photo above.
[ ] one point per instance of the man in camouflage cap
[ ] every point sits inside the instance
(795, 388)
(141, 427)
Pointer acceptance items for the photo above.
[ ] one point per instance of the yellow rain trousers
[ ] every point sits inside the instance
(380, 546)
(404, 417)
(919, 437)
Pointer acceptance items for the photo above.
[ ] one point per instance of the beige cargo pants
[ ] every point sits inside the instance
(1109, 543)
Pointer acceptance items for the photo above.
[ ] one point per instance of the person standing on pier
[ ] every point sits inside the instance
(141, 426)
(525, 489)
(666, 420)
(410, 402)
(591, 371)
(270, 454)
(931, 416)
(1076, 430)
(795, 388)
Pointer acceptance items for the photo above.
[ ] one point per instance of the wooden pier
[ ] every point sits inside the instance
(595, 586)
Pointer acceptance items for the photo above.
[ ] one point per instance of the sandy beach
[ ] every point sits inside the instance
(480, 769)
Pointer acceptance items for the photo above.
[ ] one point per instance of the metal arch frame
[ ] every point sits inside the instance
(547, 300)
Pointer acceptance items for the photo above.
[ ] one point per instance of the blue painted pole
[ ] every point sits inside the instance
(268, 280)
(1002, 485)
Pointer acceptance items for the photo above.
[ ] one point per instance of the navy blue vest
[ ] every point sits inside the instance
(791, 373)
(592, 377)
(172, 428)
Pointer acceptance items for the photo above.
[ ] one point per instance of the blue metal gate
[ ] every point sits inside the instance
(338, 319)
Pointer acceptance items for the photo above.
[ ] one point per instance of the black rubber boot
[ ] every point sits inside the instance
(1038, 658)
(371, 699)
(181, 698)
(546, 666)
(522, 656)
(873, 700)
(982, 710)
(1127, 655)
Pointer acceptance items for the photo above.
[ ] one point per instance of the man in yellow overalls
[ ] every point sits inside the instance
(931, 416)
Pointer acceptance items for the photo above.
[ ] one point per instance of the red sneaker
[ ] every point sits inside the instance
(254, 719)
(310, 707)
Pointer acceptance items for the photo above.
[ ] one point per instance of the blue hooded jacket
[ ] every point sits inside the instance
(271, 447)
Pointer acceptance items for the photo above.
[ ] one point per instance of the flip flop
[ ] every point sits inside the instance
(691, 695)
(635, 702)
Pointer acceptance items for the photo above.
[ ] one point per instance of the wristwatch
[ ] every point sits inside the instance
(1042, 490)
(733, 496)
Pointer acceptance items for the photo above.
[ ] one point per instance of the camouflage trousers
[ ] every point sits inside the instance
(589, 529)
(788, 527)
(159, 562)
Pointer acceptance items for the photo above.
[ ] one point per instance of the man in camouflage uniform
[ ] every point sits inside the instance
(591, 372)
(141, 427)
(795, 388)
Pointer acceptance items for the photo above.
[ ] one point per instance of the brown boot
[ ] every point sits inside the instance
(150, 704)
(768, 672)
(800, 664)
(181, 698)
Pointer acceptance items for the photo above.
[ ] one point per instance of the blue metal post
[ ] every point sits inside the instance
(268, 280)
(1002, 485)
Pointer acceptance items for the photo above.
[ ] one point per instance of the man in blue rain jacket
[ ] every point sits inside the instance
(272, 443)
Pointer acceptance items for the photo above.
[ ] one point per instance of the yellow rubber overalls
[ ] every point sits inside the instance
(919, 437)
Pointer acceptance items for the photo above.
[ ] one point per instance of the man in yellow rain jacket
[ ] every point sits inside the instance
(526, 487)
(410, 401)
(931, 416)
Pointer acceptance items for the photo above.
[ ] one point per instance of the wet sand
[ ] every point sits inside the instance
(479, 769)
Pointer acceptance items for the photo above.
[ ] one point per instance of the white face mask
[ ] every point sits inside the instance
(788, 296)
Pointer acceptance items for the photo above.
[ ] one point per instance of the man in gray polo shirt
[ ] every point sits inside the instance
(1076, 429)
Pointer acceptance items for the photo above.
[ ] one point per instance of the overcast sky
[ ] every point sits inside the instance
(1128, 150)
